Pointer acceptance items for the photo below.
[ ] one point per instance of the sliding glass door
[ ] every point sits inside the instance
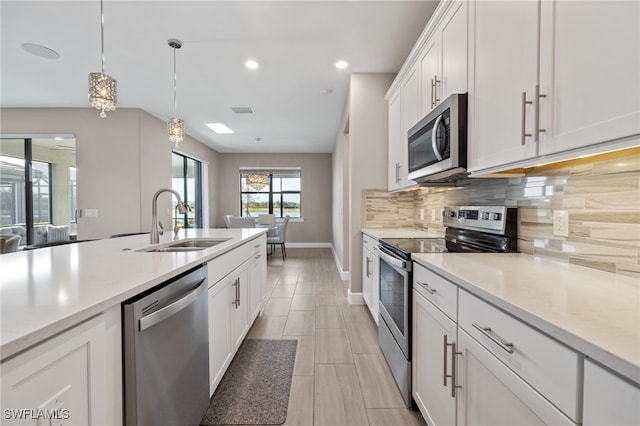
(187, 181)
(37, 189)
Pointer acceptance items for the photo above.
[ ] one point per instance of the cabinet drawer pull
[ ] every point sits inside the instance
(435, 90)
(452, 376)
(368, 263)
(257, 246)
(507, 347)
(427, 288)
(525, 102)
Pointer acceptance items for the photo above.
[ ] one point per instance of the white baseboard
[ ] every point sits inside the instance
(309, 245)
(344, 275)
(355, 298)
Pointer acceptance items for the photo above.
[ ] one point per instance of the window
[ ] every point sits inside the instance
(187, 181)
(279, 193)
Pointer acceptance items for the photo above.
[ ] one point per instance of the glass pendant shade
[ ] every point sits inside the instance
(257, 181)
(103, 92)
(175, 126)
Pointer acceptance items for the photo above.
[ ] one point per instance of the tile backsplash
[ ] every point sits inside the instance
(601, 196)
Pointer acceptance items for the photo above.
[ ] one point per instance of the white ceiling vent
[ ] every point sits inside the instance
(243, 110)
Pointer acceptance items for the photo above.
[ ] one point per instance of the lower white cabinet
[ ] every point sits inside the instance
(434, 337)
(491, 394)
(72, 378)
(608, 399)
(370, 275)
(235, 300)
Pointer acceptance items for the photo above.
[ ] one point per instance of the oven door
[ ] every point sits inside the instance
(395, 290)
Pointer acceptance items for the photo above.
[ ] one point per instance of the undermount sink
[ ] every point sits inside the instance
(187, 245)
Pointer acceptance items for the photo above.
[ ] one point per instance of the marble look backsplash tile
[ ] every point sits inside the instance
(602, 197)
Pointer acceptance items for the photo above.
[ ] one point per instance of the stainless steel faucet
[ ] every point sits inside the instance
(156, 229)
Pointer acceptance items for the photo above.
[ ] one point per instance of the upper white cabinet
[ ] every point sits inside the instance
(443, 59)
(590, 72)
(552, 80)
(504, 65)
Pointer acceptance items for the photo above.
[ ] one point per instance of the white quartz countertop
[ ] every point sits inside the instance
(45, 291)
(379, 233)
(597, 313)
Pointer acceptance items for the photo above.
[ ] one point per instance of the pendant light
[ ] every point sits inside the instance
(102, 87)
(255, 179)
(175, 125)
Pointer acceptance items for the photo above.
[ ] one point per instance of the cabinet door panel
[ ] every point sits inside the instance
(589, 68)
(453, 38)
(219, 332)
(429, 69)
(240, 311)
(430, 393)
(395, 125)
(609, 399)
(505, 65)
(491, 394)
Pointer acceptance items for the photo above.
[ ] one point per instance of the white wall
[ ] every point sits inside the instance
(121, 161)
(365, 157)
(316, 191)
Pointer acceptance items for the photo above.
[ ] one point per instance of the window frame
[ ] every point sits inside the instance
(198, 188)
(271, 171)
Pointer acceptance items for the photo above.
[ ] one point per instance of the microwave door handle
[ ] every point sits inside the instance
(434, 136)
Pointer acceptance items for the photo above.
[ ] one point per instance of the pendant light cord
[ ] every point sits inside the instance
(175, 81)
(102, 34)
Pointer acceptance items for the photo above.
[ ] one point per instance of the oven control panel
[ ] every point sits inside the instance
(486, 218)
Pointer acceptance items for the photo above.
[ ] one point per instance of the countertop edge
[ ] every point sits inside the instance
(14, 347)
(611, 361)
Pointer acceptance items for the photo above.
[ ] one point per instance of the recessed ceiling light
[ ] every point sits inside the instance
(252, 64)
(342, 64)
(219, 128)
(39, 50)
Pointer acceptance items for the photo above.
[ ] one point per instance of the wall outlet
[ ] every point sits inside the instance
(561, 223)
(90, 213)
(421, 214)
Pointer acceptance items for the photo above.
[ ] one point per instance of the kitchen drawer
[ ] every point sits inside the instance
(548, 366)
(369, 242)
(437, 290)
(222, 265)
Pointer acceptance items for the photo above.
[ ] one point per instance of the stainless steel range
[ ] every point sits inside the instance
(469, 229)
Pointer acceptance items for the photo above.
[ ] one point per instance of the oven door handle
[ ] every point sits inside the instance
(388, 257)
(434, 137)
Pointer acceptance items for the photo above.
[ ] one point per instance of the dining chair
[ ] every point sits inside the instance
(267, 220)
(226, 220)
(280, 236)
(9, 243)
(242, 222)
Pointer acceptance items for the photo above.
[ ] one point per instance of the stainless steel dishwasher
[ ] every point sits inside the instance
(166, 353)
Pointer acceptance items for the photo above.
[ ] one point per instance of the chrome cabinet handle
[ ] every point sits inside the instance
(257, 246)
(427, 288)
(434, 136)
(507, 347)
(435, 90)
(525, 102)
(538, 130)
(451, 376)
(397, 172)
(368, 263)
(238, 290)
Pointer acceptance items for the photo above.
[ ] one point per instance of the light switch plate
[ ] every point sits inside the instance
(90, 213)
(561, 223)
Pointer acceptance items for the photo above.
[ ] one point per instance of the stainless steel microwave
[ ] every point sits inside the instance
(438, 143)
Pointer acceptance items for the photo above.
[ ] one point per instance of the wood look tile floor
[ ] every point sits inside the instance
(340, 376)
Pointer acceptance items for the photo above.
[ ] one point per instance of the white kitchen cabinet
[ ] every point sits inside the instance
(257, 279)
(72, 378)
(220, 353)
(491, 394)
(371, 275)
(236, 283)
(609, 399)
(589, 70)
(443, 59)
(404, 111)
(546, 365)
(433, 340)
(504, 50)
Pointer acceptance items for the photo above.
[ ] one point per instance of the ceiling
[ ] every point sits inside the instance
(295, 42)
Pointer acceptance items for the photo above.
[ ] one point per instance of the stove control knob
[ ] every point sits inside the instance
(448, 213)
(496, 216)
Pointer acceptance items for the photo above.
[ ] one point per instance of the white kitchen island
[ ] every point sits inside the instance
(60, 317)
